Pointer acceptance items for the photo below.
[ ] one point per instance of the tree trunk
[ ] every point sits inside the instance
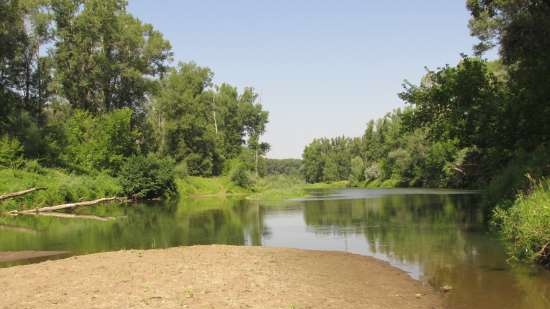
(66, 206)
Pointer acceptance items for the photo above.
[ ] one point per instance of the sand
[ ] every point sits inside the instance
(214, 277)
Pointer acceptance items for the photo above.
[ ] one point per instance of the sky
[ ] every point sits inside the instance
(323, 68)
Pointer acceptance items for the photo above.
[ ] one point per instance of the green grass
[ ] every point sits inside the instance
(277, 188)
(526, 225)
(377, 183)
(193, 186)
(269, 188)
(61, 187)
(327, 185)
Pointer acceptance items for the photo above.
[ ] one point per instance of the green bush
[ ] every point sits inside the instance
(11, 153)
(526, 225)
(512, 180)
(181, 170)
(357, 174)
(34, 167)
(241, 176)
(146, 177)
(95, 143)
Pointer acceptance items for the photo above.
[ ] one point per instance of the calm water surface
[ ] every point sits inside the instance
(437, 236)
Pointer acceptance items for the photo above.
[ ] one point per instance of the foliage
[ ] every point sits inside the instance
(290, 167)
(521, 30)
(357, 171)
(278, 187)
(10, 152)
(458, 103)
(104, 57)
(201, 186)
(204, 126)
(147, 177)
(61, 187)
(526, 225)
(241, 176)
(98, 143)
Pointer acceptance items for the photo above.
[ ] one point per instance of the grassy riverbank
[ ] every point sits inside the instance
(269, 188)
(60, 187)
(526, 224)
(64, 187)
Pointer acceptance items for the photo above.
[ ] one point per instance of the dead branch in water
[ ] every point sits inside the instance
(20, 193)
(70, 216)
(67, 206)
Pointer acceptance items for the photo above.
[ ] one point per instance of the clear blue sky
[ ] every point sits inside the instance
(322, 68)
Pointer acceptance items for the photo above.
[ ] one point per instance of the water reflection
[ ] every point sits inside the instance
(437, 236)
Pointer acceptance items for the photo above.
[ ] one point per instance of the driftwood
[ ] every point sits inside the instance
(20, 193)
(67, 206)
(70, 216)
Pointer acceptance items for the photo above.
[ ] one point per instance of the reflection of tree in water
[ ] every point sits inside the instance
(141, 226)
(445, 235)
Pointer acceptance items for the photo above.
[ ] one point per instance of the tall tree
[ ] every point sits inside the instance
(104, 57)
(521, 30)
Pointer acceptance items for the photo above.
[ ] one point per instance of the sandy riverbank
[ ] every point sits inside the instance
(213, 277)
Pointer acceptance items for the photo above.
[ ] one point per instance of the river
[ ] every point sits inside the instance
(437, 236)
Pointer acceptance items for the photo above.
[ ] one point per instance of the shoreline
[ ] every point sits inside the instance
(217, 276)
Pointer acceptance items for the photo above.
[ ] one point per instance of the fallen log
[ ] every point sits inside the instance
(20, 193)
(70, 216)
(69, 205)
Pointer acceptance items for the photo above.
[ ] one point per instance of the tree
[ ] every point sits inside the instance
(462, 103)
(357, 171)
(13, 42)
(105, 58)
(521, 29)
(204, 125)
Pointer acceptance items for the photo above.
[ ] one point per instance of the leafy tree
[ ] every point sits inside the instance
(357, 173)
(462, 102)
(521, 29)
(98, 143)
(202, 124)
(105, 58)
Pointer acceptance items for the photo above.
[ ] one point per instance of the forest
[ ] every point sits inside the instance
(478, 124)
(89, 90)
(92, 105)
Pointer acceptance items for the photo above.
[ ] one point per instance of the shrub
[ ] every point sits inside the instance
(94, 143)
(11, 153)
(241, 176)
(526, 225)
(373, 172)
(181, 170)
(357, 174)
(146, 177)
(34, 167)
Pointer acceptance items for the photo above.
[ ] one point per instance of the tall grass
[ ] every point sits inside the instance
(526, 225)
(193, 186)
(61, 187)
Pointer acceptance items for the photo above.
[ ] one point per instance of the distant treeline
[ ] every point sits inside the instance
(291, 167)
(84, 86)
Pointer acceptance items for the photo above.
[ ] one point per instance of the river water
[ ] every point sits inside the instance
(437, 236)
